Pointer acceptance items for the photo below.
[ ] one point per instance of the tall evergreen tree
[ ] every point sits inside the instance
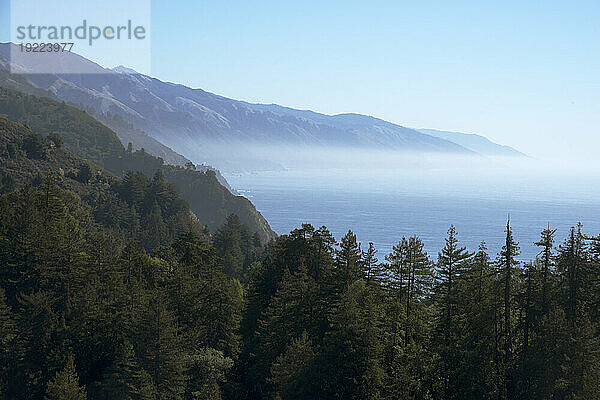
(348, 261)
(507, 264)
(452, 262)
(373, 271)
(159, 348)
(546, 259)
(291, 311)
(9, 348)
(125, 379)
(475, 376)
(350, 363)
(292, 373)
(65, 385)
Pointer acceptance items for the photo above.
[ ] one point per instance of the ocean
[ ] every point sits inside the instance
(382, 206)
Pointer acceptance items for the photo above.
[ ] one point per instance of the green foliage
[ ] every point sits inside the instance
(237, 246)
(84, 174)
(208, 369)
(120, 274)
(65, 385)
(8, 343)
(35, 146)
(81, 133)
(84, 136)
(313, 320)
(292, 372)
(12, 150)
(451, 270)
(55, 138)
(351, 360)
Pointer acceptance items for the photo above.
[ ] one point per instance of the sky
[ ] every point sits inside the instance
(522, 73)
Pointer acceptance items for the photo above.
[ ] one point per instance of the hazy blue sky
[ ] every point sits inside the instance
(524, 73)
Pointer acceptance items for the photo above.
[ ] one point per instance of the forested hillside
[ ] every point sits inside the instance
(149, 208)
(125, 131)
(84, 293)
(110, 288)
(96, 303)
(89, 139)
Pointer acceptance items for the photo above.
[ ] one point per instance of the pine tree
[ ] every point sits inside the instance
(291, 311)
(373, 272)
(581, 357)
(398, 267)
(65, 385)
(320, 266)
(159, 348)
(546, 258)
(451, 265)
(419, 280)
(507, 264)
(38, 324)
(9, 349)
(125, 379)
(570, 263)
(292, 372)
(474, 375)
(348, 261)
(350, 364)
(410, 278)
(208, 369)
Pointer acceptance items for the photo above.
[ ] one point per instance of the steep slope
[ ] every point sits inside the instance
(377, 131)
(24, 159)
(154, 217)
(124, 130)
(88, 138)
(206, 127)
(477, 143)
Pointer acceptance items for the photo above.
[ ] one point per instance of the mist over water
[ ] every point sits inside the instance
(384, 204)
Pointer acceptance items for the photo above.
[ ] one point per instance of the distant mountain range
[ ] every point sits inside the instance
(477, 143)
(173, 119)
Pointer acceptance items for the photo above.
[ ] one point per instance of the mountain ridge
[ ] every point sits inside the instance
(230, 134)
(475, 142)
(83, 135)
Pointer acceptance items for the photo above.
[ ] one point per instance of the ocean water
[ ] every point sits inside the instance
(382, 206)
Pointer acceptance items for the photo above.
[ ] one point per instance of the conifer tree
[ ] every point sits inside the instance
(450, 268)
(474, 374)
(9, 349)
(125, 379)
(571, 262)
(292, 373)
(292, 310)
(419, 280)
(507, 263)
(159, 348)
(208, 369)
(348, 261)
(350, 363)
(546, 258)
(398, 267)
(65, 384)
(320, 265)
(373, 272)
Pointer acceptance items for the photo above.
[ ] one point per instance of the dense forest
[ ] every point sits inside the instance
(111, 288)
(100, 311)
(93, 141)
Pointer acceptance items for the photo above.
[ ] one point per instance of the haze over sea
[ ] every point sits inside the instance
(384, 205)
